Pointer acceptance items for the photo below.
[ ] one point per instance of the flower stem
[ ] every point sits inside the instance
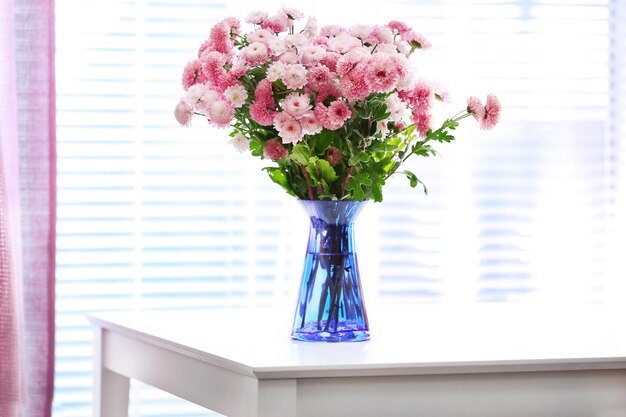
(305, 174)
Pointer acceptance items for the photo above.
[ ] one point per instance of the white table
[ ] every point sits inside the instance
(428, 361)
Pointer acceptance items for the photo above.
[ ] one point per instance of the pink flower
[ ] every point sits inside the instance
(420, 97)
(183, 113)
(475, 108)
(294, 76)
(278, 23)
(416, 40)
(239, 68)
(277, 45)
(220, 35)
(291, 131)
(422, 122)
(289, 57)
(330, 60)
(260, 35)
(213, 68)
(380, 34)
(319, 77)
(274, 150)
(236, 94)
(192, 74)
(338, 113)
(349, 61)
(255, 53)
(353, 85)
(310, 124)
(195, 93)
(220, 113)
(296, 105)
(280, 119)
(331, 30)
(293, 14)
(395, 107)
(382, 74)
(256, 17)
(361, 31)
(261, 114)
(398, 27)
(343, 42)
(492, 113)
(312, 54)
(262, 109)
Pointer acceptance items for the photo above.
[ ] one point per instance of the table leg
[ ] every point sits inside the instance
(277, 397)
(110, 388)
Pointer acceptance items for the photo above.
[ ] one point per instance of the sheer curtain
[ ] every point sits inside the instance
(27, 207)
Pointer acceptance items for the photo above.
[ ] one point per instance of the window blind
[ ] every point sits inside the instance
(154, 216)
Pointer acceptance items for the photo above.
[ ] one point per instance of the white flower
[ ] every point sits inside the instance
(297, 40)
(194, 93)
(240, 143)
(294, 76)
(395, 107)
(256, 17)
(381, 127)
(361, 31)
(275, 71)
(311, 28)
(277, 45)
(236, 94)
(293, 14)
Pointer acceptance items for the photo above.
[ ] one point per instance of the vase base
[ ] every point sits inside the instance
(321, 336)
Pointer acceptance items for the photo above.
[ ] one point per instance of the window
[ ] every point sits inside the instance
(154, 216)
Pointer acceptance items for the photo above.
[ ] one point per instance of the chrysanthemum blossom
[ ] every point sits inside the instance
(288, 57)
(294, 76)
(382, 127)
(338, 113)
(262, 109)
(236, 94)
(492, 113)
(260, 35)
(310, 124)
(380, 35)
(381, 74)
(343, 42)
(183, 113)
(331, 30)
(192, 74)
(293, 14)
(277, 45)
(395, 107)
(312, 55)
(239, 69)
(220, 36)
(280, 119)
(256, 17)
(353, 85)
(361, 31)
(278, 23)
(330, 60)
(274, 150)
(311, 28)
(398, 27)
(195, 93)
(349, 61)
(255, 53)
(275, 71)
(297, 40)
(239, 142)
(319, 77)
(213, 68)
(296, 105)
(416, 40)
(220, 113)
(422, 122)
(475, 108)
(291, 131)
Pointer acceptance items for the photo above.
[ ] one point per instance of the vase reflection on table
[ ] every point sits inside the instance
(330, 306)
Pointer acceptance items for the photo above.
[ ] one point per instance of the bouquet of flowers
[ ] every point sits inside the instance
(337, 110)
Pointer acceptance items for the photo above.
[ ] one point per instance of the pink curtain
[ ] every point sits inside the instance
(27, 207)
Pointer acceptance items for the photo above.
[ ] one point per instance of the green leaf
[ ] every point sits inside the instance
(300, 154)
(278, 176)
(358, 186)
(413, 180)
(359, 157)
(327, 172)
(256, 146)
(321, 141)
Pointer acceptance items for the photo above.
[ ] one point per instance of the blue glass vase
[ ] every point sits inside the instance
(330, 306)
